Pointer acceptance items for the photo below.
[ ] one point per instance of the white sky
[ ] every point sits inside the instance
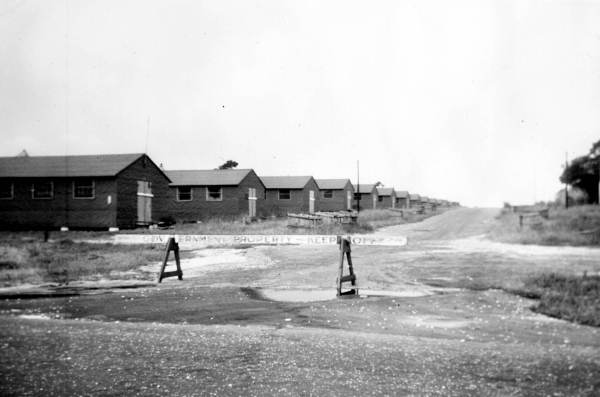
(475, 101)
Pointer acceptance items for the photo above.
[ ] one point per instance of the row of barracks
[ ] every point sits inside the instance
(129, 190)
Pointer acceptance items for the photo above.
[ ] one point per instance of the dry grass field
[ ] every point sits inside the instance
(577, 226)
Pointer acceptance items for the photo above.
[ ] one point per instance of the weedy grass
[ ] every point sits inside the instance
(62, 261)
(572, 298)
(576, 226)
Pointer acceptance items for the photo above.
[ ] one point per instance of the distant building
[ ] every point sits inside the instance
(204, 194)
(81, 192)
(415, 200)
(365, 196)
(402, 199)
(290, 194)
(335, 194)
(386, 197)
(426, 203)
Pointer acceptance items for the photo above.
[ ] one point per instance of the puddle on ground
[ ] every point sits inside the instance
(315, 295)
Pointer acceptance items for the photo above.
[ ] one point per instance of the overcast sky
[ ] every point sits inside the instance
(475, 101)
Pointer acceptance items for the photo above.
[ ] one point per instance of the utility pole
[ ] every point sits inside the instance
(357, 187)
(566, 184)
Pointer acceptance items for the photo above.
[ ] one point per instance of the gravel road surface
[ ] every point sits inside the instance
(259, 321)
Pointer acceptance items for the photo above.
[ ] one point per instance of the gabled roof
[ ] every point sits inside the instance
(332, 184)
(66, 166)
(414, 197)
(385, 191)
(285, 182)
(401, 193)
(229, 177)
(364, 188)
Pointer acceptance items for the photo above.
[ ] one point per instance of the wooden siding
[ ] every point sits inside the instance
(141, 170)
(366, 201)
(24, 212)
(234, 201)
(386, 201)
(415, 203)
(402, 202)
(338, 201)
(298, 202)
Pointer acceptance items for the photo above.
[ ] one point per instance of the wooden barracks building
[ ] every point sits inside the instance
(88, 192)
(386, 197)
(365, 196)
(290, 194)
(129, 190)
(402, 199)
(202, 194)
(335, 194)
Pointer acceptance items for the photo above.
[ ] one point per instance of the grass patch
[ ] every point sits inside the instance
(576, 226)
(572, 298)
(568, 297)
(63, 261)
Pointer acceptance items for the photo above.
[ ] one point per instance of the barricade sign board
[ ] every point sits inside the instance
(190, 241)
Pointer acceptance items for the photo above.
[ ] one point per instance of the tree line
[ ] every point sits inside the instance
(583, 173)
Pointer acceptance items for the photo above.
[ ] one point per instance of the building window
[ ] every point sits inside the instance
(356, 196)
(42, 190)
(184, 193)
(7, 191)
(84, 189)
(284, 194)
(380, 198)
(214, 193)
(327, 194)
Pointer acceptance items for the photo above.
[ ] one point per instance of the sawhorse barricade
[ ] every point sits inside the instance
(345, 250)
(203, 241)
(172, 245)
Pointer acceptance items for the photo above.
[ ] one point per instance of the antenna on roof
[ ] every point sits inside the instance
(147, 134)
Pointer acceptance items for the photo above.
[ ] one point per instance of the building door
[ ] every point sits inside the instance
(144, 203)
(348, 200)
(311, 202)
(252, 202)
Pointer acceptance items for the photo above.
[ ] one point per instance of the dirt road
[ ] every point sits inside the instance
(264, 321)
(450, 225)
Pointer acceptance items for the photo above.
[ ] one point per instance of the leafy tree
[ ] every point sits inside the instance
(584, 173)
(228, 165)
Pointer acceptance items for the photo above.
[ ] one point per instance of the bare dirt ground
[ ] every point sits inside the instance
(264, 321)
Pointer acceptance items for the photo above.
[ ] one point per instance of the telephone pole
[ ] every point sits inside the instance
(357, 187)
(566, 184)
